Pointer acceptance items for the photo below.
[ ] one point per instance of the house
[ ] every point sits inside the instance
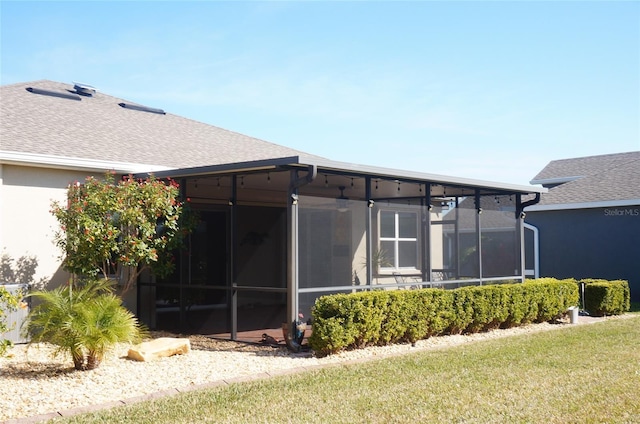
(278, 227)
(588, 224)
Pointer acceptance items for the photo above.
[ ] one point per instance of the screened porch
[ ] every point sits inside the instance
(275, 235)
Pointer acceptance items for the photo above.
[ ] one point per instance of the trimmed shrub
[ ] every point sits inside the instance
(519, 310)
(347, 321)
(602, 297)
(333, 328)
(417, 313)
(461, 310)
(428, 313)
(487, 307)
(553, 297)
(368, 315)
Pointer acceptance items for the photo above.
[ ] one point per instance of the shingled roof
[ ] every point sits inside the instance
(52, 119)
(594, 181)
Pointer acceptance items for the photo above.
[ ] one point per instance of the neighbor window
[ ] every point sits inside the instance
(399, 238)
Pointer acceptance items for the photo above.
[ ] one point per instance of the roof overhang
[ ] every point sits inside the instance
(76, 164)
(343, 168)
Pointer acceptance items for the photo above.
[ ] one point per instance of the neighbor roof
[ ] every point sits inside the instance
(46, 119)
(563, 170)
(594, 181)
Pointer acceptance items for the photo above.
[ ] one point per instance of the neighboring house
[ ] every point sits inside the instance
(588, 224)
(278, 227)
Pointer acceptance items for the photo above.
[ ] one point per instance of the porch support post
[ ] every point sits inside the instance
(232, 291)
(293, 233)
(369, 235)
(182, 316)
(427, 270)
(478, 234)
(456, 241)
(292, 250)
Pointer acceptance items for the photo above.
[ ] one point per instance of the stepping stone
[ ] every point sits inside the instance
(159, 348)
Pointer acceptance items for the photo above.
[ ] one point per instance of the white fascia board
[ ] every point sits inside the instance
(63, 162)
(586, 205)
(392, 174)
(414, 175)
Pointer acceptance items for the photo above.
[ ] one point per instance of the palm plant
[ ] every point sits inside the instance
(378, 260)
(84, 320)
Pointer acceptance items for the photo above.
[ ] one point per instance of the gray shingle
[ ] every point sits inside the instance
(605, 178)
(584, 166)
(98, 128)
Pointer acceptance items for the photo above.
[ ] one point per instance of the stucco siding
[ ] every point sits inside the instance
(28, 228)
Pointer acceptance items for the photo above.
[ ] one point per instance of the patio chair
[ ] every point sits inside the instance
(436, 278)
(400, 279)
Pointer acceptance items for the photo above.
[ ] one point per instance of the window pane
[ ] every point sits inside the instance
(408, 226)
(408, 254)
(387, 253)
(387, 224)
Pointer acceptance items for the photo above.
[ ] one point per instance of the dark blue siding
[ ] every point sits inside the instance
(590, 243)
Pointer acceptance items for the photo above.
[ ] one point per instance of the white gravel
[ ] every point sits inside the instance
(33, 383)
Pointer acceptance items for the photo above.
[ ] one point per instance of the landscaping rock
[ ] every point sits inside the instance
(35, 383)
(159, 348)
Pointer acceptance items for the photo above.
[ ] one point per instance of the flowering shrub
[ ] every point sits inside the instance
(105, 226)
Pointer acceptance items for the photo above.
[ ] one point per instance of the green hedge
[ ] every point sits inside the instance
(347, 321)
(602, 297)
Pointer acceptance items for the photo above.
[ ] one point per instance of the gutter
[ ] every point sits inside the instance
(521, 205)
(307, 179)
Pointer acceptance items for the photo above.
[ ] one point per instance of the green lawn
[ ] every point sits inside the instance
(577, 374)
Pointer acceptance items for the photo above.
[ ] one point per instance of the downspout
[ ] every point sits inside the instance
(536, 250)
(292, 242)
(520, 215)
(521, 205)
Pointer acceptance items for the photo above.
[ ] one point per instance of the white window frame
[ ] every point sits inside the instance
(396, 239)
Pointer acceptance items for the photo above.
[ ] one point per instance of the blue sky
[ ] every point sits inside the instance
(486, 90)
